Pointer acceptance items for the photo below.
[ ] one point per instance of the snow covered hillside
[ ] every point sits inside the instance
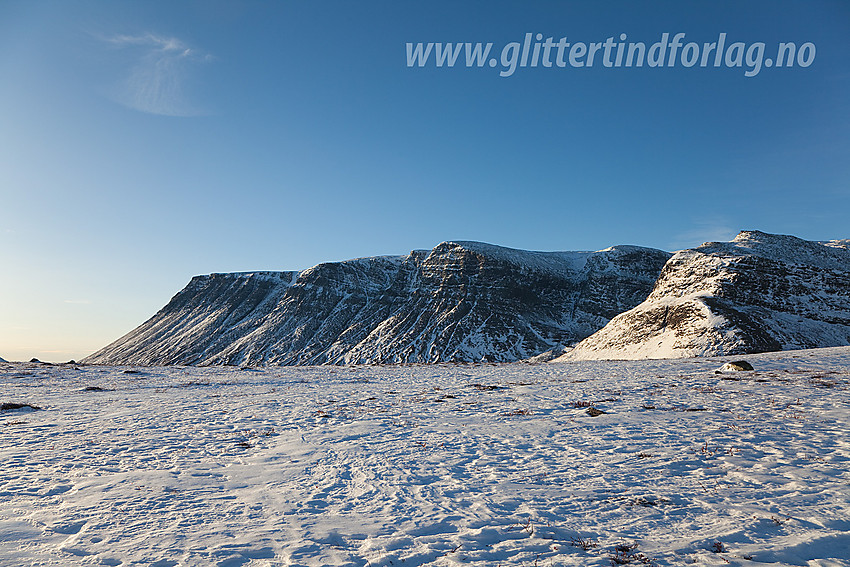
(761, 292)
(587, 464)
(461, 301)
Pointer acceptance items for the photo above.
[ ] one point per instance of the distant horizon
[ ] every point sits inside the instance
(147, 142)
(42, 358)
(48, 355)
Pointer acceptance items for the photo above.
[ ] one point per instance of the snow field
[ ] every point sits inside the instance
(430, 464)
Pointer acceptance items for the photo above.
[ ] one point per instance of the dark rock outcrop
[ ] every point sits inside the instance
(12, 406)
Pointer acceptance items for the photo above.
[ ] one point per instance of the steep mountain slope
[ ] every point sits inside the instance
(761, 292)
(461, 301)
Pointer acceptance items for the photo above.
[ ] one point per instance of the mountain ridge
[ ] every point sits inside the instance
(760, 292)
(460, 301)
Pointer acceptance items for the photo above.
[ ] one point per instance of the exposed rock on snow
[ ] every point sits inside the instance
(12, 406)
(760, 292)
(461, 301)
(737, 366)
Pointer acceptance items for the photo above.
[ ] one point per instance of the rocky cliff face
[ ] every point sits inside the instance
(760, 292)
(461, 301)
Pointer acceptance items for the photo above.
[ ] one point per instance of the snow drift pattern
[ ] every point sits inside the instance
(761, 292)
(478, 465)
(461, 301)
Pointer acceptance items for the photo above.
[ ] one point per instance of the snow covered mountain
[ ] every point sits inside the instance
(461, 301)
(760, 292)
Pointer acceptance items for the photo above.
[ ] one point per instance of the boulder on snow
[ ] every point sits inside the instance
(9, 406)
(737, 366)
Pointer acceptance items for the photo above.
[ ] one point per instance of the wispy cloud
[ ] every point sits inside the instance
(157, 80)
(706, 230)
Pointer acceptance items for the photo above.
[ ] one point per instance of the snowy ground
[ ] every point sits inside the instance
(404, 466)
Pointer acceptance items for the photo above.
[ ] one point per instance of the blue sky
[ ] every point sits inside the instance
(142, 143)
